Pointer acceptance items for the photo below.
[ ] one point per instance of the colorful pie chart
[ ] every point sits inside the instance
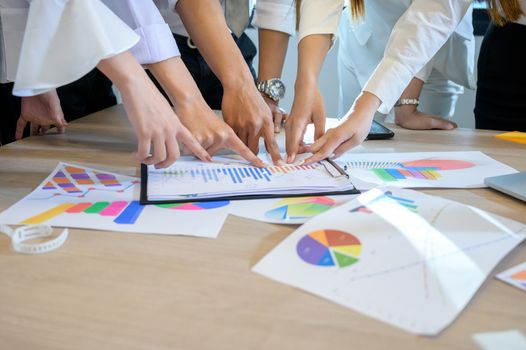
(299, 208)
(191, 206)
(329, 248)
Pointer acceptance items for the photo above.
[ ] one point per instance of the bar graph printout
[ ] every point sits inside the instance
(77, 196)
(225, 177)
(421, 169)
(396, 255)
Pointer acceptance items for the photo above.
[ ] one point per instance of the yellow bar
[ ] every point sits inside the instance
(47, 215)
(434, 173)
(427, 174)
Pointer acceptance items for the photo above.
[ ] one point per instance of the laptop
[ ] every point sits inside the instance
(513, 184)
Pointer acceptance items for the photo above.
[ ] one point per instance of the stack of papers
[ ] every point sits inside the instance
(231, 178)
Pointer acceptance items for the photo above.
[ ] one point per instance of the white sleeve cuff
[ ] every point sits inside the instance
(64, 40)
(278, 17)
(385, 81)
(319, 17)
(156, 44)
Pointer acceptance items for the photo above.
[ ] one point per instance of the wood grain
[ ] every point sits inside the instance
(107, 290)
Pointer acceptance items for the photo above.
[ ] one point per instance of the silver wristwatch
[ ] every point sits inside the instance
(273, 88)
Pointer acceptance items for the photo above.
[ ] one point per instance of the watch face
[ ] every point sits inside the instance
(276, 89)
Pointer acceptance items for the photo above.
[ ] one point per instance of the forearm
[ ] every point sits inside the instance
(205, 22)
(123, 70)
(175, 79)
(272, 51)
(311, 54)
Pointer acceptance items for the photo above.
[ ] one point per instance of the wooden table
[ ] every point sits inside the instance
(108, 290)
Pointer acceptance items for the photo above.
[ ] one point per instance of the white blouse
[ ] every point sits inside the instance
(418, 35)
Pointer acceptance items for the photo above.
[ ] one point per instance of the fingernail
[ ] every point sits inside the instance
(280, 162)
(277, 129)
(289, 159)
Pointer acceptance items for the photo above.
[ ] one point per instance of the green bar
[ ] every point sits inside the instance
(96, 207)
(383, 175)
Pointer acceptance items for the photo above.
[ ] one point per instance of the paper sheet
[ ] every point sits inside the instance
(290, 211)
(397, 255)
(516, 276)
(422, 169)
(514, 136)
(76, 196)
(231, 176)
(506, 340)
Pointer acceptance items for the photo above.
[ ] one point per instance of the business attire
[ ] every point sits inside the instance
(86, 95)
(207, 82)
(411, 45)
(362, 45)
(501, 94)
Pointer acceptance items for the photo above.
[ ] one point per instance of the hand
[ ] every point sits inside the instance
(247, 113)
(409, 117)
(349, 134)
(211, 132)
(153, 120)
(41, 111)
(278, 114)
(307, 108)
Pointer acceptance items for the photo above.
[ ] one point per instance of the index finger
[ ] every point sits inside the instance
(20, 126)
(292, 140)
(270, 143)
(239, 147)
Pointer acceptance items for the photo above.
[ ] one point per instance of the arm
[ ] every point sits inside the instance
(210, 131)
(417, 36)
(308, 104)
(409, 117)
(154, 122)
(243, 107)
(272, 51)
(275, 20)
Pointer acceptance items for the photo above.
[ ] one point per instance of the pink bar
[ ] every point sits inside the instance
(417, 174)
(114, 208)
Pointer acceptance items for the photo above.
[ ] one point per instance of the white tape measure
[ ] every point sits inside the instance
(26, 233)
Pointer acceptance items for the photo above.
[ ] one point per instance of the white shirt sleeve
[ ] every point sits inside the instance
(13, 17)
(320, 17)
(278, 15)
(416, 38)
(157, 42)
(64, 40)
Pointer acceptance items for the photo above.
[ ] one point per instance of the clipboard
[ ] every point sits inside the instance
(145, 201)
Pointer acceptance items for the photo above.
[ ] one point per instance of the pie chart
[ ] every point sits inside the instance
(299, 208)
(329, 248)
(191, 206)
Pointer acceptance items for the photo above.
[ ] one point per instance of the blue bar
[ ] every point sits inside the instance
(204, 176)
(241, 172)
(232, 176)
(130, 214)
(215, 176)
(224, 171)
(268, 171)
(237, 175)
(266, 177)
(192, 173)
(400, 199)
(254, 174)
(395, 173)
(246, 172)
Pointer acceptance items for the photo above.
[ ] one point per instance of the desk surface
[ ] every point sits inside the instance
(107, 290)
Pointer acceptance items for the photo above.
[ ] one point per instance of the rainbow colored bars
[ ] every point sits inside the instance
(65, 183)
(107, 179)
(123, 211)
(79, 175)
(418, 169)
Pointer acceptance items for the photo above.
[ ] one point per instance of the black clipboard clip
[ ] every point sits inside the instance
(341, 172)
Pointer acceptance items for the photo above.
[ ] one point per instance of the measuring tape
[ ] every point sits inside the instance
(22, 234)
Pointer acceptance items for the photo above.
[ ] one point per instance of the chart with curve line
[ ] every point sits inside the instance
(422, 169)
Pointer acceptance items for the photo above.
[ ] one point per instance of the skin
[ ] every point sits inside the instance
(156, 125)
(272, 51)
(41, 111)
(211, 132)
(409, 117)
(244, 109)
